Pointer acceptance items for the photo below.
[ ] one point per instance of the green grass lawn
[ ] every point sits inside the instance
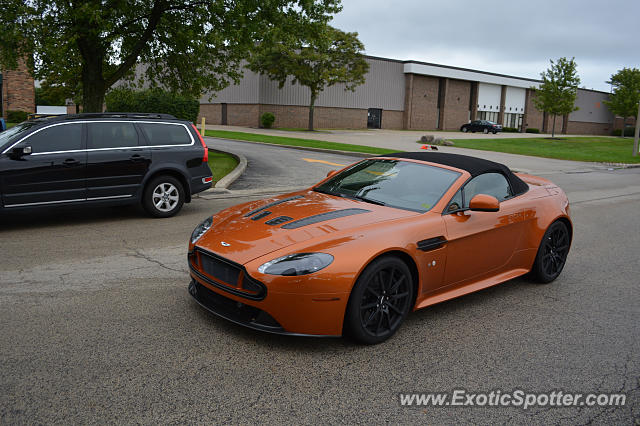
(281, 140)
(221, 164)
(596, 148)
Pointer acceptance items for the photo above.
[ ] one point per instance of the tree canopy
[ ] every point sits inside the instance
(626, 93)
(314, 55)
(187, 46)
(557, 93)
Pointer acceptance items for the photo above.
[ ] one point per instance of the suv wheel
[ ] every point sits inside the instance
(163, 196)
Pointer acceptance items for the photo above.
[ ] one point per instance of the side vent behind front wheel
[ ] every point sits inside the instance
(431, 243)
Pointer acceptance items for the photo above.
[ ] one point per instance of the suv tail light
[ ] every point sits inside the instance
(205, 157)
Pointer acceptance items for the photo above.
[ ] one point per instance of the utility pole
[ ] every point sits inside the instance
(635, 137)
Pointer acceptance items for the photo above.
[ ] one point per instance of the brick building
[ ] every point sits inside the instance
(17, 90)
(406, 95)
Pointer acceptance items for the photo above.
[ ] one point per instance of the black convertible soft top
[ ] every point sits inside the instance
(475, 166)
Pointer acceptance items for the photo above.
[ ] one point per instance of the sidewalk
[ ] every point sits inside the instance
(406, 140)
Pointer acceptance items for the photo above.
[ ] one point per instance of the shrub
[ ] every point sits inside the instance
(15, 116)
(628, 131)
(532, 130)
(153, 100)
(267, 120)
(510, 129)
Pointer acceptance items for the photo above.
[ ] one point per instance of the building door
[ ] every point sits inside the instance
(374, 118)
(223, 119)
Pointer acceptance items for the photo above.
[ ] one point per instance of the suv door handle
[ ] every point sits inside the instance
(136, 158)
(70, 162)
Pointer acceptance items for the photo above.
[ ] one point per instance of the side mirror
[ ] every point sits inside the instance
(484, 203)
(331, 173)
(21, 151)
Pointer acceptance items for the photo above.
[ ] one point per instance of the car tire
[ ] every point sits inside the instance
(552, 253)
(380, 301)
(464, 130)
(485, 131)
(163, 196)
(494, 132)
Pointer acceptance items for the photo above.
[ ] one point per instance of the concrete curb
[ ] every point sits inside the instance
(233, 175)
(306, 148)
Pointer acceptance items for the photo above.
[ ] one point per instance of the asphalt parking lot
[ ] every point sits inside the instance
(97, 325)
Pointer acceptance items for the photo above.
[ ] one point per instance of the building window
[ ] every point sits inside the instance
(512, 120)
(488, 115)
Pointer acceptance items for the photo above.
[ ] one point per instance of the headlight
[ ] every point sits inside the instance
(296, 264)
(201, 229)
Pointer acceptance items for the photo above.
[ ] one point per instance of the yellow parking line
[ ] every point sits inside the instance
(311, 160)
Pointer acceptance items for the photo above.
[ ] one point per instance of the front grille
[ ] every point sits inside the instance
(218, 269)
(225, 275)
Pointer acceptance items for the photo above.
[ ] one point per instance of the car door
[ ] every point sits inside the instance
(480, 243)
(53, 173)
(117, 160)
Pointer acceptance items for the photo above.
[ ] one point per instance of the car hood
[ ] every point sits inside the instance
(244, 232)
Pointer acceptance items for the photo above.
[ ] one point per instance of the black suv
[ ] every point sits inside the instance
(481, 126)
(111, 158)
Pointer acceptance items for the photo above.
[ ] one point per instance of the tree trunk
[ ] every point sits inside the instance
(553, 128)
(93, 87)
(636, 134)
(624, 120)
(311, 106)
(93, 83)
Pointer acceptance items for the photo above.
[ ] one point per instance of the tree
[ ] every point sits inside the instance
(314, 55)
(48, 94)
(557, 93)
(626, 94)
(186, 46)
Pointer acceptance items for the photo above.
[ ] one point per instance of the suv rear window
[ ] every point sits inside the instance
(166, 134)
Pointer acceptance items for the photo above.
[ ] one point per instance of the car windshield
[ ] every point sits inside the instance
(394, 183)
(15, 130)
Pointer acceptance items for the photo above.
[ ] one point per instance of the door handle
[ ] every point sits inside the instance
(70, 162)
(136, 158)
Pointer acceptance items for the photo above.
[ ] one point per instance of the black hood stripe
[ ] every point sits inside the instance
(323, 217)
(274, 203)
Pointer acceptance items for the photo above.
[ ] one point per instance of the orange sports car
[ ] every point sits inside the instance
(390, 234)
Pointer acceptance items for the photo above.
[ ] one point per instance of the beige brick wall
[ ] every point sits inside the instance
(534, 117)
(212, 113)
(392, 119)
(456, 108)
(629, 121)
(549, 124)
(323, 117)
(243, 115)
(584, 128)
(18, 89)
(421, 102)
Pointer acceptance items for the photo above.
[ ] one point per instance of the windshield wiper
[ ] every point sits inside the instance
(369, 200)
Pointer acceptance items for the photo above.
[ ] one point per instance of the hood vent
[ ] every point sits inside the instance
(261, 215)
(278, 220)
(274, 203)
(322, 217)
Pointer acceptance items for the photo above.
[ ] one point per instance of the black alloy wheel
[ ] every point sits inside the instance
(552, 253)
(380, 301)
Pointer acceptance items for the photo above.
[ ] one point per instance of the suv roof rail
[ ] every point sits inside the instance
(148, 115)
(35, 116)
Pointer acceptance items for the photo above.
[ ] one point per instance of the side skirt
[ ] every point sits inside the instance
(470, 288)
